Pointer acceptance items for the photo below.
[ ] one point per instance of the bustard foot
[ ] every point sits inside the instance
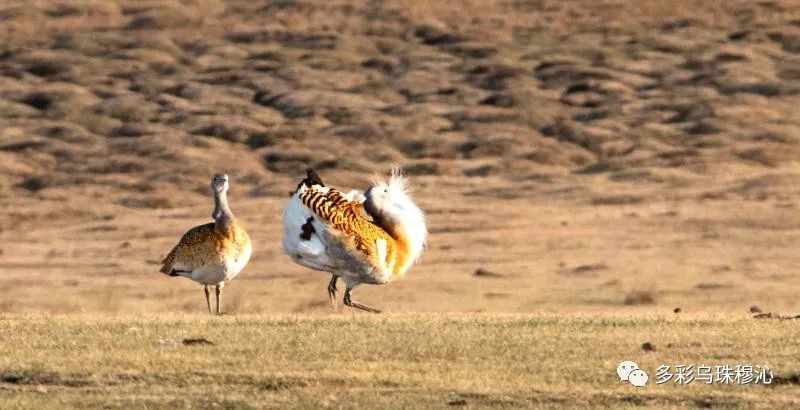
(208, 299)
(218, 292)
(358, 305)
(332, 291)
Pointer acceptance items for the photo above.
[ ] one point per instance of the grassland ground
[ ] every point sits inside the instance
(359, 361)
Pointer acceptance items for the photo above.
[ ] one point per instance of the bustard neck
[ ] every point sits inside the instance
(221, 208)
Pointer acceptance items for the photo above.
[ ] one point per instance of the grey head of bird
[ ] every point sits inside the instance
(390, 202)
(219, 183)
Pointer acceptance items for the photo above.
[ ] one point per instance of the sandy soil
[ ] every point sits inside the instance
(591, 156)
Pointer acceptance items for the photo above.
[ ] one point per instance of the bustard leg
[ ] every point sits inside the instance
(218, 292)
(208, 299)
(332, 290)
(357, 305)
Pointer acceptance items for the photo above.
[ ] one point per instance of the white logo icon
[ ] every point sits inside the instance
(629, 371)
(625, 368)
(638, 378)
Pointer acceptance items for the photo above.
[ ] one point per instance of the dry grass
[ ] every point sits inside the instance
(425, 361)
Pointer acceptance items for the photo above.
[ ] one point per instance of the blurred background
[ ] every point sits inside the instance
(581, 156)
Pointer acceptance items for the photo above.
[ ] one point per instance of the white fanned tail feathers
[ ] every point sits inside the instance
(402, 216)
(413, 220)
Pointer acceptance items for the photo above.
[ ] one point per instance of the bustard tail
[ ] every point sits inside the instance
(166, 264)
(311, 179)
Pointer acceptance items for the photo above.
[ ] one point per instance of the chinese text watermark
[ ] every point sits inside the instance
(718, 374)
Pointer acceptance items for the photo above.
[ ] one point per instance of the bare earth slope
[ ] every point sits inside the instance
(587, 155)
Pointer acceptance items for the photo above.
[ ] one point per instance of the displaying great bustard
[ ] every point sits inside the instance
(214, 253)
(370, 238)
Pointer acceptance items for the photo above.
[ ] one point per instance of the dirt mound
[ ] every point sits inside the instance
(160, 88)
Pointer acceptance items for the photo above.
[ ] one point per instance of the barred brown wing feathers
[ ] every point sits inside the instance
(314, 200)
(345, 217)
(198, 234)
(192, 237)
(203, 243)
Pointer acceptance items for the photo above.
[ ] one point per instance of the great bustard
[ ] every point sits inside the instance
(370, 238)
(214, 253)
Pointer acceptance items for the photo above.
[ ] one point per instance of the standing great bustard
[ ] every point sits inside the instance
(370, 238)
(214, 253)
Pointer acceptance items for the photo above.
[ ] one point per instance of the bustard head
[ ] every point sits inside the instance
(219, 183)
(390, 203)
